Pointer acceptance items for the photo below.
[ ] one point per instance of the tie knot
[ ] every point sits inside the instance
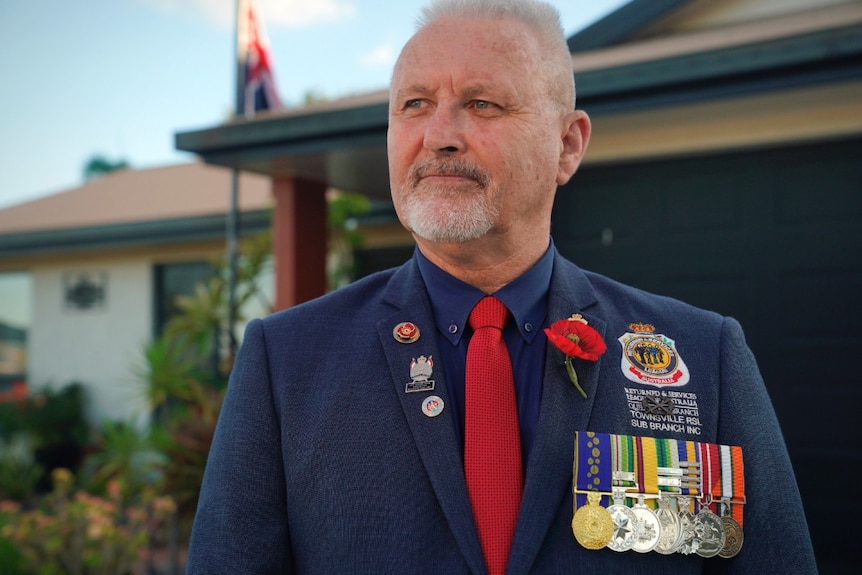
(489, 312)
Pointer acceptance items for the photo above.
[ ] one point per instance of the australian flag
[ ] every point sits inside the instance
(257, 90)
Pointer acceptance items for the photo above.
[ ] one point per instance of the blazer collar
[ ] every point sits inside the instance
(435, 437)
(563, 411)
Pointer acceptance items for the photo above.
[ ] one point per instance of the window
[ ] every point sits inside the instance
(16, 317)
(174, 280)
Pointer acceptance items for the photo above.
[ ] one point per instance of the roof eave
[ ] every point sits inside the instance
(620, 24)
(818, 57)
(298, 133)
(137, 234)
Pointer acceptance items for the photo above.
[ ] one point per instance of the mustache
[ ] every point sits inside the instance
(448, 167)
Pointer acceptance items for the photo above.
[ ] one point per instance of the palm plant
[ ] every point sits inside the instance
(185, 372)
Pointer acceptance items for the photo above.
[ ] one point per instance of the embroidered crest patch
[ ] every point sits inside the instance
(651, 358)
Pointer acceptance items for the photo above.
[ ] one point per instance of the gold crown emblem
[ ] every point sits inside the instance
(642, 327)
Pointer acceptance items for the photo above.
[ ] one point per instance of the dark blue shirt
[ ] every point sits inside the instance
(527, 300)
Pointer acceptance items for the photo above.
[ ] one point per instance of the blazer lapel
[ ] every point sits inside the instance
(435, 437)
(563, 411)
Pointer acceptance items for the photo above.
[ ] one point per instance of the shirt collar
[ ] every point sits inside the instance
(452, 300)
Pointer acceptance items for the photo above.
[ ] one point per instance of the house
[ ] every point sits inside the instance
(103, 263)
(724, 170)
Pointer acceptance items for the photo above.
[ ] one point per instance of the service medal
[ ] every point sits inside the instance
(709, 533)
(686, 526)
(626, 524)
(650, 528)
(592, 524)
(733, 537)
(671, 528)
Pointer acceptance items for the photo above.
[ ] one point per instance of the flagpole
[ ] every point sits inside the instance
(232, 220)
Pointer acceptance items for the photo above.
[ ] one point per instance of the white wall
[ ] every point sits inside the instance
(98, 347)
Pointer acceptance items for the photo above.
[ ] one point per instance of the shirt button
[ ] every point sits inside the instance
(453, 328)
(528, 327)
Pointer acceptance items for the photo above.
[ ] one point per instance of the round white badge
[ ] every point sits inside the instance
(432, 406)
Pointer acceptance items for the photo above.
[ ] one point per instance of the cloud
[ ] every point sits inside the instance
(383, 55)
(302, 13)
(276, 13)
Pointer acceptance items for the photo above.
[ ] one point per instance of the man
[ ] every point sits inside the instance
(345, 441)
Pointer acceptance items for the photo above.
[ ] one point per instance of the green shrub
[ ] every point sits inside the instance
(19, 472)
(75, 533)
(46, 431)
(11, 560)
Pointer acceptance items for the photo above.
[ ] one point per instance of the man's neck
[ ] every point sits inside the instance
(485, 263)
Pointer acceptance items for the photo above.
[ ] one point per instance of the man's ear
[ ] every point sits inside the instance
(575, 138)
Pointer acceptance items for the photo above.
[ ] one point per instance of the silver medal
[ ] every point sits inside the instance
(686, 526)
(671, 528)
(649, 531)
(709, 533)
(625, 523)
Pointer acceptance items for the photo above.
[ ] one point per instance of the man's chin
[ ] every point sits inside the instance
(449, 234)
(446, 187)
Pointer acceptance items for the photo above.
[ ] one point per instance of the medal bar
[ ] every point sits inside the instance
(652, 494)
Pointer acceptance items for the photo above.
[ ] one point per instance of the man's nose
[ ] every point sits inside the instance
(444, 131)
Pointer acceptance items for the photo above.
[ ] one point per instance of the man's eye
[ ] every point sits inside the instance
(482, 104)
(415, 103)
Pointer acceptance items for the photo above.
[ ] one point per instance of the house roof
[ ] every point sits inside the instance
(130, 207)
(647, 54)
(706, 62)
(124, 196)
(622, 23)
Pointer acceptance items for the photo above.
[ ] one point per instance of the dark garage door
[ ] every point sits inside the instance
(774, 238)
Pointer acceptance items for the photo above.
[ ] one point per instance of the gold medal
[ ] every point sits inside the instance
(592, 524)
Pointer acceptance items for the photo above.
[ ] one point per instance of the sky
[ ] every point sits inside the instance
(119, 78)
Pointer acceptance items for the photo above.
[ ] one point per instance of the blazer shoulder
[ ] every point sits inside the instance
(365, 295)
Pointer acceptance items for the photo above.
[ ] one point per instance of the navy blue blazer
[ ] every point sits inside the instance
(322, 463)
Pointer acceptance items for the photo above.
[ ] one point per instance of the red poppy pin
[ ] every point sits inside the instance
(575, 338)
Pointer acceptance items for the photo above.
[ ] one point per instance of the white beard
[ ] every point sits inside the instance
(447, 220)
(447, 215)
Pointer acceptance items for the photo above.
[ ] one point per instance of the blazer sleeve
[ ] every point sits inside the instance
(775, 530)
(241, 520)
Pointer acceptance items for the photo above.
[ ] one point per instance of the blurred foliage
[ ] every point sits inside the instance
(99, 165)
(184, 440)
(344, 237)
(314, 97)
(75, 533)
(122, 455)
(185, 372)
(19, 471)
(120, 466)
(100, 525)
(53, 425)
(198, 335)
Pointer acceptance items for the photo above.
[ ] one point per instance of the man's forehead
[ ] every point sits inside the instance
(474, 57)
(503, 36)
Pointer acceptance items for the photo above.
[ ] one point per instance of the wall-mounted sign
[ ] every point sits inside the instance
(85, 290)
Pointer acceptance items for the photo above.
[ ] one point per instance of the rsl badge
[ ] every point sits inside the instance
(651, 358)
(420, 372)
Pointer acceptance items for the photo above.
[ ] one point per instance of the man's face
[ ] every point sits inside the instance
(474, 136)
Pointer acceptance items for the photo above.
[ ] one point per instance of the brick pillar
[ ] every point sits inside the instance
(299, 230)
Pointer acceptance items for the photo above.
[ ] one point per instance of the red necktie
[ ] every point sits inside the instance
(492, 444)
